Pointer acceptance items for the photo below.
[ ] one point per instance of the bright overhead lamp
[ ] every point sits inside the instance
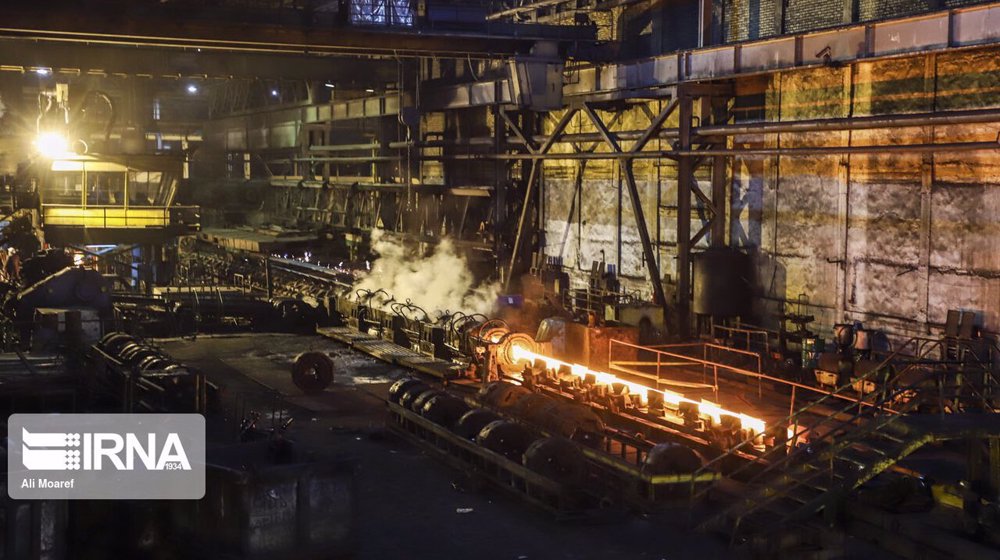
(52, 145)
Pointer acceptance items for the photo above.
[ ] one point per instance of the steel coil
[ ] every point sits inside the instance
(312, 372)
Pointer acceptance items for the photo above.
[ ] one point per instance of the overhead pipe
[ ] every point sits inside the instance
(854, 123)
(836, 150)
(975, 116)
(706, 152)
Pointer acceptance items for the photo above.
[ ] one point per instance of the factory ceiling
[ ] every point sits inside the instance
(158, 62)
(189, 27)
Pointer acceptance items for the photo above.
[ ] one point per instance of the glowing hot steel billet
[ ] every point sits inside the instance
(708, 408)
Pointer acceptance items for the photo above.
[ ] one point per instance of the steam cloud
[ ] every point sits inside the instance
(439, 282)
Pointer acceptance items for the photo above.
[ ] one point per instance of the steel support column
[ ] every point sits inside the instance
(500, 173)
(633, 189)
(685, 184)
(720, 178)
(536, 167)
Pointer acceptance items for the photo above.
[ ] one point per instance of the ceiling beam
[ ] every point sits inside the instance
(106, 60)
(163, 27)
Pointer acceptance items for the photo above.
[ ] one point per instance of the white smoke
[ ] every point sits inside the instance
(438, 282)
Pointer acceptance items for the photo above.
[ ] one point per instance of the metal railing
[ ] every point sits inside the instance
(667, 359)
(119, 216)
(845, 434)
(750, 337)
(792, 422)
(848, 432)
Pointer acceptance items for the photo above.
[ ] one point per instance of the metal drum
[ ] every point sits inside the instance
(444, 409)
(557, 458)
(671, 458)
(400, 387)
(504, 396)
(112, 343)
(473, 422)
(411, 393)
(418, 403)
(505, 438)
(576, 422)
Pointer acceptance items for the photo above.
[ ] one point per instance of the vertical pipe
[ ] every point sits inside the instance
(926, 194)
(719, 107)
(268, 277)
(499, 182)
(685, 176)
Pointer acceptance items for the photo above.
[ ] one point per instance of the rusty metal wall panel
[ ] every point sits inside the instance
(339, 111)
(845, 44)
(711, 63)
(641, 75)
(666, 69)
(612, 77)
(235, 140)
(910, 35)
(976, 26)
(580, 81)
(482, 94)
(372, 107)
(767, 55)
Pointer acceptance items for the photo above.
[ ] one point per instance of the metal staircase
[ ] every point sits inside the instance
(810, 478)
(791, 483)
(7, 203)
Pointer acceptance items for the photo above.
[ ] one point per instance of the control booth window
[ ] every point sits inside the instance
(382, 12)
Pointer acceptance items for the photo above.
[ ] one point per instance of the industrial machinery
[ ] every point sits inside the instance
(72, 290)
(87, 188)
(172, 311)
(556, 454)
(131, 375)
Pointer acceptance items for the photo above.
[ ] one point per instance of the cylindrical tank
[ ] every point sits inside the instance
(722, 282)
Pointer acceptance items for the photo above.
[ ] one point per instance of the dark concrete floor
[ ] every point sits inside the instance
(409, 504)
